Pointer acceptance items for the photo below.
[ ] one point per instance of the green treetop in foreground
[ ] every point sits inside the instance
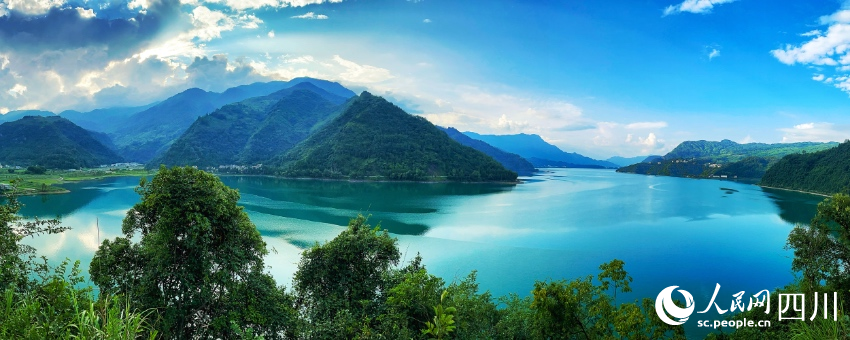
(199, 261)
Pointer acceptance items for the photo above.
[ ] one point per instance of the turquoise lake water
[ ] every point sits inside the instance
(563, 223)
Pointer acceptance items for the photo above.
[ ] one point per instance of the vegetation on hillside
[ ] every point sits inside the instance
(252, 131)
(826, 172)
(51, 142)
(374, 138)
(727, 151)
(726, 159)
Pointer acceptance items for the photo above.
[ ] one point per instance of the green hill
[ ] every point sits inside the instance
(826, 172)
(373, 138)
(254, 130)
(727, 151)
(724, 159)
(51, 142)
(149, 133)
(510, 161)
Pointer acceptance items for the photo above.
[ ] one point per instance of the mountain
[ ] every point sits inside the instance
(623, 161)
(724, 159)
(254, 130)
(825, 172)
(510, 161)
(727, 151)
(103, 120)
(533, 147)
(148, 133)
(52, 142)
(372, 138)
(15, 115)
(653, 158)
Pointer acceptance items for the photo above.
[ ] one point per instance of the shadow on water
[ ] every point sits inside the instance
(794, 207)
(335, 202)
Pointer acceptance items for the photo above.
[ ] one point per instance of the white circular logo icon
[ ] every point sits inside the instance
(664, 306)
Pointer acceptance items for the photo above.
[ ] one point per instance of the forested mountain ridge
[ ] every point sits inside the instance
(539, 152)
(723, 159)
(825, 172)
(52, 142)
(374, 138)
(510, 161)
(147, 134)
(727, 151)
(254, 130)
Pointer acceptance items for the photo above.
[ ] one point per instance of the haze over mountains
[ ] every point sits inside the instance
(539, 152)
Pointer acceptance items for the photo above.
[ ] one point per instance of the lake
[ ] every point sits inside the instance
(563, 223)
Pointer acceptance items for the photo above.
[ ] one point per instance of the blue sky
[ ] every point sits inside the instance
(602, 78)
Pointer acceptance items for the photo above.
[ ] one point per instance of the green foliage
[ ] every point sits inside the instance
(35, 170)
(345, 280)
(374, 138)
(823, 172)
(199, 261)
(727, 151)
(52, 142)
(252, 131)
(444, 323)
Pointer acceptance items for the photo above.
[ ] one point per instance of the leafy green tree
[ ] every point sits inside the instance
(614, 274)
(340, 283)
(444, 323)
(19, 265)
(199, 260)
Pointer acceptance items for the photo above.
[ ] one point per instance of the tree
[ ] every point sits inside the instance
(199, 260)
(822, 249)
(19, 265)
(340, 283)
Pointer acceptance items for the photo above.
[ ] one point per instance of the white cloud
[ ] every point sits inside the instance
(17, 90)
(815, 132)
(30, 7)
(694, 6)
(748, 139)
(363, 74)
(85, 13)
(427, 21)
(812, 33)
(271, 34)
(241, 5)
(827, 47)
(508, 125)
(311, 16)
(713, 54)
(209, 23)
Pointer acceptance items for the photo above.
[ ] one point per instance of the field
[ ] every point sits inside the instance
(50, 182)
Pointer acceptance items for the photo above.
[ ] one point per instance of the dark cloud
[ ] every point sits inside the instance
(64, 29)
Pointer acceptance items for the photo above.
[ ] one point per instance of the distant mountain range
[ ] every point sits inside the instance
(724, 159)
(825, 172)
(623, 161)
(539, 152)
(511, 161)
(52, 142)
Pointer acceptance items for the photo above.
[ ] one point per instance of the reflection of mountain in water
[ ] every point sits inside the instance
(794, 207)
(334, 201)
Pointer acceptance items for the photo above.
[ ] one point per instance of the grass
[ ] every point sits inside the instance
(50, 182)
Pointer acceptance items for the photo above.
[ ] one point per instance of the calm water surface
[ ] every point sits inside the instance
(561, 224)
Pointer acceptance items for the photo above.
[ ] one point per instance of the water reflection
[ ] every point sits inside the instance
(794, 207)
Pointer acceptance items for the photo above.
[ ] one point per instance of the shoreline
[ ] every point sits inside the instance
(800, 191)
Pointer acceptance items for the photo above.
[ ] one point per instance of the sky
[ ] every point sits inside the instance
(602, 78)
